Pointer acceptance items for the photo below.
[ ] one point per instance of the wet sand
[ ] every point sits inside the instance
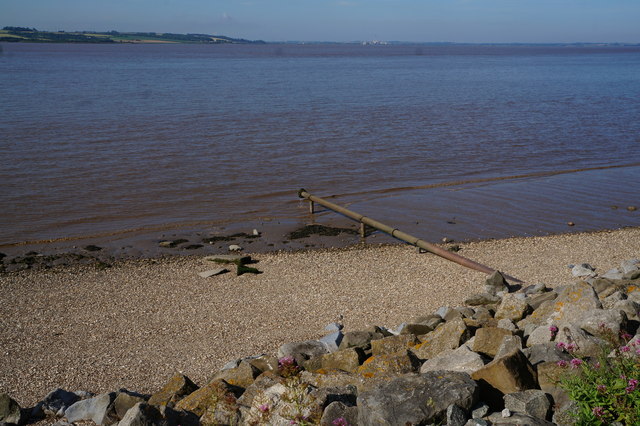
(137, 322)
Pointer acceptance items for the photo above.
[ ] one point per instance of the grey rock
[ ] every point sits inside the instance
(10, 412)
(57, 401)
(630, 265)
(507, 324)
(538, 299)
(416, 329)
(597, 321)
(633, 275)
(143, 414)
(456, 416)
(572, 301)
(402, 400)
(327, 395)
(583, 270)
(353, 339)
(545, 352)
(629, 307)
(235, 247)
(461, 359)
(302, 351)
(228, 258)
(480, 410)
(536, 289)
(539, 335)
(124, 401)
(442, 311)
(98, 409)
(509, 344)
(517, 420)
(609, 301)
(476, 422)
(496, 283)
(482, 299)
(333, 327)
(332, 341)
(613, 274)
(587, 345)
(513, 307)
(532, 402)
(337, 410)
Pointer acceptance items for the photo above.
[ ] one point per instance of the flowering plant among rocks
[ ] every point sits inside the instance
(606, 390)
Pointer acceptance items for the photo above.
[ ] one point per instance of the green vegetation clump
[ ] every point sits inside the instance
(309, 230)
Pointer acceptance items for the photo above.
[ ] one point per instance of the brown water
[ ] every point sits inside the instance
(459, 141)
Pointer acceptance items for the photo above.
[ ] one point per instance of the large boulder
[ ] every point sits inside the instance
(98, 409)
(173, 391)
(384, 366)
(243, 375)
(416, 399)
(216, 392)
(513, 307)
(393, 344)
(57, 401)
(532, 402)
(302, 351)
(462, 360)
(449, 335)
(508, 374)
(338, 410)
(488, 340)
(346, 359)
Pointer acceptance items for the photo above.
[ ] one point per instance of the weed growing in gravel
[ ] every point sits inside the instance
(606, 389)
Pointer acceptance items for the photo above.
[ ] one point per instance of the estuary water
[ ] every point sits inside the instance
(439, 140)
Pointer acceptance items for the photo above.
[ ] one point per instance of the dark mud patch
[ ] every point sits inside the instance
(321, 230)
(232, 237)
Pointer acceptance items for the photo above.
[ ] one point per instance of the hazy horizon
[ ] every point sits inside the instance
(419, 21)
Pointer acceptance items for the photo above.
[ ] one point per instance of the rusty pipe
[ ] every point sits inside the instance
(403, 236)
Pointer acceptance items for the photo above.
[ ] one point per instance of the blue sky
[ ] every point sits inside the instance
(474, 21)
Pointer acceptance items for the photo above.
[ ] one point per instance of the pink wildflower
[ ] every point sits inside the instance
(598, 411)
(632, 384)
(560, 345)
(572, 347)
(264, 408)
(602, 388)
(626, 336)
(575, 363)
(340, 421)
(561, 363)
(625, 349)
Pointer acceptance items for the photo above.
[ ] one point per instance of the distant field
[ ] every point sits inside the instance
(23, 34)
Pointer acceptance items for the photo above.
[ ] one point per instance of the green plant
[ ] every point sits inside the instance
(605, 389)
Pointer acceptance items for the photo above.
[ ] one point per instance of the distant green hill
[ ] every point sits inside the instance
(22, 34)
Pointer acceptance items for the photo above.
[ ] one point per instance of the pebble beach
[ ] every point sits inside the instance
(137, 322)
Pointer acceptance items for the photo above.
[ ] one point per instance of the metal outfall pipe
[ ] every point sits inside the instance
(403, 236)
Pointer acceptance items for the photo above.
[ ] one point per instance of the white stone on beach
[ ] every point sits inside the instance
(234, 247)
(212, 272)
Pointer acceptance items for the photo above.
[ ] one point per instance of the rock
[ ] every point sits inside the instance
(605, 287)
(235, 247)
(98, 409)
(124, 401)
(302, 351)
(173, 391)
(142, 414)
(583, 270)
(57, 401)
(545, 352)
(258, 387)
(346, 360)
(632, 275)
(449, 335)
(476, 422)
(613, 274)
(383, 366)
(10, 412)
(359, 339)
(392, 344)
(333, 327)
(508, 374)
(229, 258)
(609, 301)
(461, 359)
(629, 307)
(601, 323)
(572, 300)
(216, 392)
(496, 283)
(629, 266)
(509, 344)
(532, 402)
(488, 340)
(479, 410)
(332, 341)
(538, 299)
(338, 410)
(243, 375)
(416, 399)
(327, 395)
(456, 416)
(539, 335)
(416, 329)
(516, 420)
(549, 374)
(482, 299)
(212, 272)
(507, 325)
(586, 345)
(513, 307)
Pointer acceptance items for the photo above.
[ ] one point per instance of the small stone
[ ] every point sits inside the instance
(256, 233)
(10, 412)
(570, 224)
(584, 270)
(212, 272)
(506, 413)
(235, 247)
(632, 208)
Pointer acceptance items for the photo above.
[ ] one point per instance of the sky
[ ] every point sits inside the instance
(472, 21)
